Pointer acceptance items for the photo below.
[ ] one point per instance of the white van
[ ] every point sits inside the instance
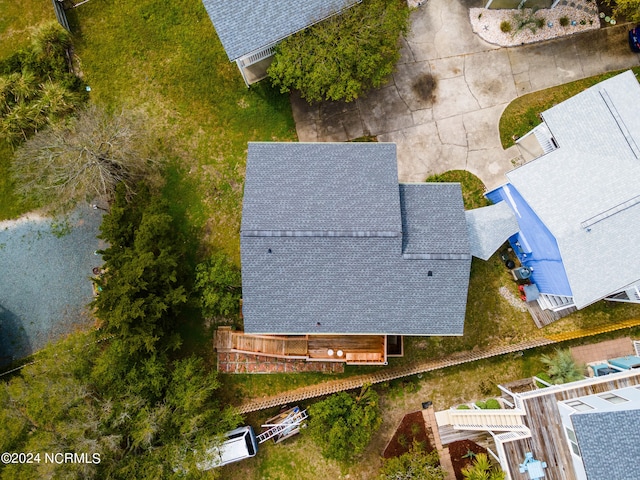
(240, 443)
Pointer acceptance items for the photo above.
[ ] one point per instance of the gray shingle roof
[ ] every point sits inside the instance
(433, 221)
(609, 443)
(593, 175)
(489, 227)
(298, 279)
(246, 26)
(324, 187)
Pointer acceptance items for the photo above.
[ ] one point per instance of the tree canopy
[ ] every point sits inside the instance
(84, 158)
(219, 286)
(143, 426)
(342, 425)
(143, 285)
(344, 56)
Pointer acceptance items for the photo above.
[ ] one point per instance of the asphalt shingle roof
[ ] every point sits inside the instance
(246, 26)
(609, 443)
(306, 266)
(594, 175)
(433, 220)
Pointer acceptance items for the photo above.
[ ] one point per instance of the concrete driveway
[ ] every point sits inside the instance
(443, 104)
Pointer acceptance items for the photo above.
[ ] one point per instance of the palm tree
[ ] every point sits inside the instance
(481, 469)
(562, 368)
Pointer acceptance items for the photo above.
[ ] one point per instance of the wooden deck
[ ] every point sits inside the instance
(544, 317)
(547, 435)
(354, 349)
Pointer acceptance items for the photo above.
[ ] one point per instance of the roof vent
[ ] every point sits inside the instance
(429, 273)
(269, 251)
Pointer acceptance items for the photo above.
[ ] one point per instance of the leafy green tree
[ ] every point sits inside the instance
(143, 285)
(219, 286)
(344, 56)
(482, 469)
(629, 9)
(343, 424)
(562, 368)
(49, 407)
(416, 464)
(140, 431)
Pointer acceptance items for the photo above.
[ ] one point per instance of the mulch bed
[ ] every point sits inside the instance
(411, 428)
(458, 450)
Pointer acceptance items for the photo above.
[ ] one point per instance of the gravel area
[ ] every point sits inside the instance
(486, 23)
(45, 265)
(514, 301)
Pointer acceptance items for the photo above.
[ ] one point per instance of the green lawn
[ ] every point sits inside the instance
(17, 21)
(164, 60)
(523, 113)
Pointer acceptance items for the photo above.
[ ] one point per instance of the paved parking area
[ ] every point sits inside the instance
(443, 104)
(45, 266)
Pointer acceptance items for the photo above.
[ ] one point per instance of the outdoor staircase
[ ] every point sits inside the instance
(503, 420)
(554, 302)
(629, 295)
(544, 137)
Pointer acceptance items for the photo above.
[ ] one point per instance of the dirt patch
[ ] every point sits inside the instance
(425, 87)
(411, 429)
(460, 456)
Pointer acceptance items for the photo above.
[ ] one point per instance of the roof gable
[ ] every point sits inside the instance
(246, 26)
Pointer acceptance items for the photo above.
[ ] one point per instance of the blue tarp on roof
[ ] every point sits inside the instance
(534, 244)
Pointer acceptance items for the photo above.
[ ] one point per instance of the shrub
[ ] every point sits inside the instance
(562, 368)
(539, 22)
(464, 407)
(342, 425)
(493, 404)
(505, 26)
(481, 404)
(564, 21)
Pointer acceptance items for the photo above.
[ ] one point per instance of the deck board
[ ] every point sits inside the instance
(355, 348)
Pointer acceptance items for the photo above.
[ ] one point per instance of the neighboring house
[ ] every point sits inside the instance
(333, 248)
(249, 30)
(584, 430)
(578, 203)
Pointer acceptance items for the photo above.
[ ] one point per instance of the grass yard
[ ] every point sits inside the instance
(17, 21)
(523, 113)
(472, 187)
(165, 61)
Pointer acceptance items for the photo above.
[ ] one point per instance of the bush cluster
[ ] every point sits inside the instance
(37, 86)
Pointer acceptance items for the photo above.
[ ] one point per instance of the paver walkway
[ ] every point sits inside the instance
(351, 383)
(443, 104)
